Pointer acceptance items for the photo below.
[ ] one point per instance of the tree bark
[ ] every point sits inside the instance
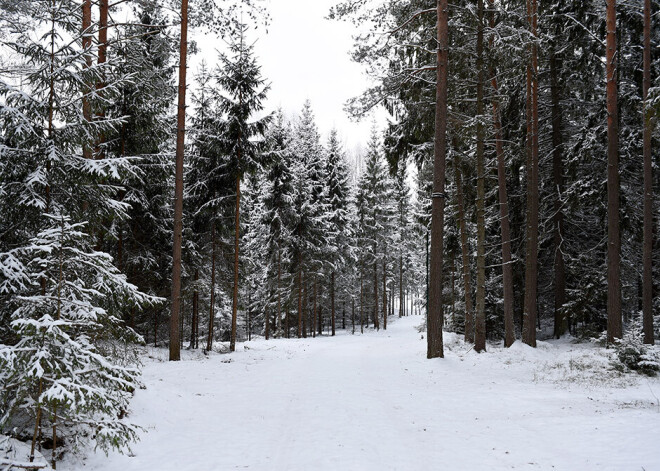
(435, 315)
(614, 321)
(361, 303)
(237, 236)
(480, 315)
(561, 322)
(384, 295)
(647, 256)
(175, 352)
(467, 286)
(87, 48)
(376, 314)
(531, 255)
(300, 293)
(400, 285)
(102, 59)
(332, 301)
(305, 307)
(209, 339)
(507, 266)
(195, 314)
(353, 314)
(315, 321)
(279, 291)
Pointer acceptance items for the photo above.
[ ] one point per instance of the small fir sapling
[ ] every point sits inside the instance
(64, 378)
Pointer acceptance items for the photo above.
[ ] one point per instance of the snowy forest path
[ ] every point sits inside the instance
(374, 402)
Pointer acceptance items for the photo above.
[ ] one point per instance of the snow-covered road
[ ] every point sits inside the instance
(374, 402)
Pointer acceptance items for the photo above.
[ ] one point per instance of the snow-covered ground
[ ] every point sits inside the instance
(374, 402)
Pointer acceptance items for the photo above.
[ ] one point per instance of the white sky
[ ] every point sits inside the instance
(303, 55)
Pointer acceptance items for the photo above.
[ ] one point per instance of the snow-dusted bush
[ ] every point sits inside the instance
(60, 379)
(632, 353)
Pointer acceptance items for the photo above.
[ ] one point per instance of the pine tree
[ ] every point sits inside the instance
(614, 321)
(175, 354)
(435, 318)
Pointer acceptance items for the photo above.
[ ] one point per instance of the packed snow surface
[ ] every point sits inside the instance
(374, 402)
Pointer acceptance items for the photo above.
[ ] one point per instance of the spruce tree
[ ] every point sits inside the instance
(244, 93)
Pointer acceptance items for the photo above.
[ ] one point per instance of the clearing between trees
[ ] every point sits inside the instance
(374, 402)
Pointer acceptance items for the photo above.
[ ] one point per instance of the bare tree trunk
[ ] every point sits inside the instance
(384, 295)
(614, 321)
(315, 323)
(209, 340)
(400, 285)
(305, 308)
(104, 8)
(300, 294)
(51, 110)
(647, 278)
(453, 288)
(37, 422)
(480, 315)
(237, 238)
(195, 314)
(531, 256)
(332, 301)
(361, 303)
(376, 314)
(87, 46)
(175, 352)
(507, 267)
(353, 315)
(343, 314)
(435, 315)
(558, 180)
(465, 250)
(266, 320)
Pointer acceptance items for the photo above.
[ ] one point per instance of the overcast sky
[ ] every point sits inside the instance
(303, 55)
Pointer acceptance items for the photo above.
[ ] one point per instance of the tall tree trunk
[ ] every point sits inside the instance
(435, 315)
(453, 288)
(480, 315)
(361, 302)
(343, 314)
(400, 285)
(385, 306)
(531, 256)
(87, 48)
(305, 308)
(318, 310)
(266, 320)
(102, 59)
(237, 238)
(332, 301)
(507, 267)
(376, 313)
(175, 352)
(614, 321)
(279, 291)
(209, 339)
(300, 293)
(315, 324)
(465, 250)
(561, 322)
(647, 256)
(195, 314)
(353, 314)
(51, 111)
